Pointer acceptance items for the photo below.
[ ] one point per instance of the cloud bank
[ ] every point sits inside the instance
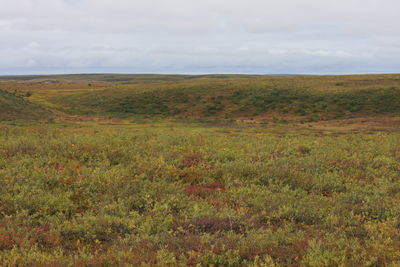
(208, 36)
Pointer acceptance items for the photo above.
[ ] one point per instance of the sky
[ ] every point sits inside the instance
(199, 36)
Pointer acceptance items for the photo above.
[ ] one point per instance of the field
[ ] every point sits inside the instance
(214, 170)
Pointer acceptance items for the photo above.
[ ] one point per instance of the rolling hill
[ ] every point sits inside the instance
(291, 98)
(210, 97)
(14, 107)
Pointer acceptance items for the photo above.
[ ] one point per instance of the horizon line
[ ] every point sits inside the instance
(199, 74)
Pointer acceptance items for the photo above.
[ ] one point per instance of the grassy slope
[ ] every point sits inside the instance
(14, 107)
(229, 97)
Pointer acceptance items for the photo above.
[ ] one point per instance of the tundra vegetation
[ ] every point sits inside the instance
(217, 170)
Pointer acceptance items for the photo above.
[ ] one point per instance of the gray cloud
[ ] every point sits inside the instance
(253, 36)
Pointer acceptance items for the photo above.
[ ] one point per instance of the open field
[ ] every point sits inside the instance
(200, 170)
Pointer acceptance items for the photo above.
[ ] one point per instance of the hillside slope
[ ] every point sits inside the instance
(14, 107)
(297, 98)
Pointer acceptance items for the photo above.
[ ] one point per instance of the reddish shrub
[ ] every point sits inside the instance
(3, 223)
(204, 190)
(215, 186)
(211, 225)
(50, 240)
(58, 167)
(189, 175)
(145, 251)
(41, 235)
(6, 241)
(192, 159)
(70, 180)
(78, 167)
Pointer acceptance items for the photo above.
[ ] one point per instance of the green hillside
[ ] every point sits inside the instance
(304, 98)
(14, 107)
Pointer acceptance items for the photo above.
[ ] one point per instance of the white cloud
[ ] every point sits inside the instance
(261, 36)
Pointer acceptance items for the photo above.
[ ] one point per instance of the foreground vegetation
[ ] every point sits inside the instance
(186, 195)
(110, 170)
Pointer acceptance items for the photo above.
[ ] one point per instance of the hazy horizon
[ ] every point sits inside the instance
(196, 74)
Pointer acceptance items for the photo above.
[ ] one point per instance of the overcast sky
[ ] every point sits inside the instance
(199, 36)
